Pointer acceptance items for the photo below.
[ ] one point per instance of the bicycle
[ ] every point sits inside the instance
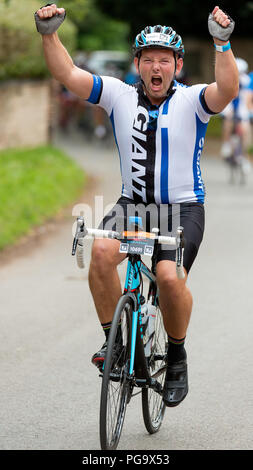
(139, 358)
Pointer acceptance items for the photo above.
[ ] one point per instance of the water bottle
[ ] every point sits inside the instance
(148, 312)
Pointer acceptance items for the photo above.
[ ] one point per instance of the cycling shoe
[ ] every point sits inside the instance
(176, 383)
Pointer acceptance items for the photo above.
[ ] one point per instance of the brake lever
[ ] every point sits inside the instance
(180, 243)
(81, 232)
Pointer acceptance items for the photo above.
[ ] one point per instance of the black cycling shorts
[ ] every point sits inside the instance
(166, 217)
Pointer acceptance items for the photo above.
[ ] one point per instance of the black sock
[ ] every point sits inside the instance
(176, 350)
(107, 326)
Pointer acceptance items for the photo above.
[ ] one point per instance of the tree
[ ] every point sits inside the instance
(20, 44)
(77, 10)
(188, 17)
(96, 29)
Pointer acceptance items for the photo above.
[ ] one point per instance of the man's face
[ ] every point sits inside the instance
(157, 68)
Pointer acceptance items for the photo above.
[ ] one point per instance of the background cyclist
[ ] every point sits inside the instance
(236, 118)
(160, 128)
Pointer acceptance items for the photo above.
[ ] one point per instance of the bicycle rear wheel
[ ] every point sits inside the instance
(116, 388)
(153, 407)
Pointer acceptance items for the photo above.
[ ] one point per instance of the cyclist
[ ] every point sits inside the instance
(159, 126)
(236, 117)
(251, 95)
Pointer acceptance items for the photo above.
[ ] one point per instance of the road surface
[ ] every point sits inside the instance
(50, 391)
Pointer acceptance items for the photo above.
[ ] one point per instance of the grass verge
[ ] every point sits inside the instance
(214, 128)
(35, 184)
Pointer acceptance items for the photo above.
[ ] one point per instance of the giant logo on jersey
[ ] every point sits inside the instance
(139, 153)
(199, 178)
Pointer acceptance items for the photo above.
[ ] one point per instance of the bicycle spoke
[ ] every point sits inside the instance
(152, 402)
(113, 411)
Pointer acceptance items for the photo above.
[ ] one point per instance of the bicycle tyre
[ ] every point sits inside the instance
(153, 407)
(115, 386)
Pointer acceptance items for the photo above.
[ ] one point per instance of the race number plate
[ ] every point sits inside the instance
(137, 247)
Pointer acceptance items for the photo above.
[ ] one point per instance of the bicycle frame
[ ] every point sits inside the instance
(138, 361)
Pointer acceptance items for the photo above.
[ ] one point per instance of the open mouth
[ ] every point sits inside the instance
(156, 81)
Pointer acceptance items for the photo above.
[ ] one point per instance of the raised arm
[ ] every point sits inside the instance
(58, 60)
(226, 86)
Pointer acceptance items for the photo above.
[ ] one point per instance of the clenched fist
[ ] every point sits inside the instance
(49, 18)
(220, 24)
(49, 10)
(220, 17)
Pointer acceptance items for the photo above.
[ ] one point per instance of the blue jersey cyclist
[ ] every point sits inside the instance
(251, 95)
(159, 127)
(236, 117)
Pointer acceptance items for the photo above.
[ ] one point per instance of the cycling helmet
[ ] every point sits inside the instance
(242, 65)
(159, 36)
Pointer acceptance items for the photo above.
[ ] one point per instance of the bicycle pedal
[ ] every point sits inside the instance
(156, 385)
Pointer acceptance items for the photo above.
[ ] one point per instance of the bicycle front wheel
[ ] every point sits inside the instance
(153, 407)
(116, 388)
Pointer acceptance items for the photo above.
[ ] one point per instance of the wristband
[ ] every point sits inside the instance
(222, 48)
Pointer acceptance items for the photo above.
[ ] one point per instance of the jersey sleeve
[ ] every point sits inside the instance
(105, 91)
(197, 95)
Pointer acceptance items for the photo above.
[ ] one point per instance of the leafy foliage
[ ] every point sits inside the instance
(77, 10)
(20, 44)
(188, 17)
(96, 30)
(101, 32)
(85, 28)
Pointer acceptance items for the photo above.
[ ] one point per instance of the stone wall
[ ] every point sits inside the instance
(25, 113)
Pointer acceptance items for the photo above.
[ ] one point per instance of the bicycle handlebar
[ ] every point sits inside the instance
(178, 241)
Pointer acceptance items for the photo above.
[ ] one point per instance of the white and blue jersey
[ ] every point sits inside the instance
(238, 108)
(159, 146)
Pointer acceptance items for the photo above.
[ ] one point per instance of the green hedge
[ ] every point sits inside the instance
(214, 128)
(21, 54)
(36, 184)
